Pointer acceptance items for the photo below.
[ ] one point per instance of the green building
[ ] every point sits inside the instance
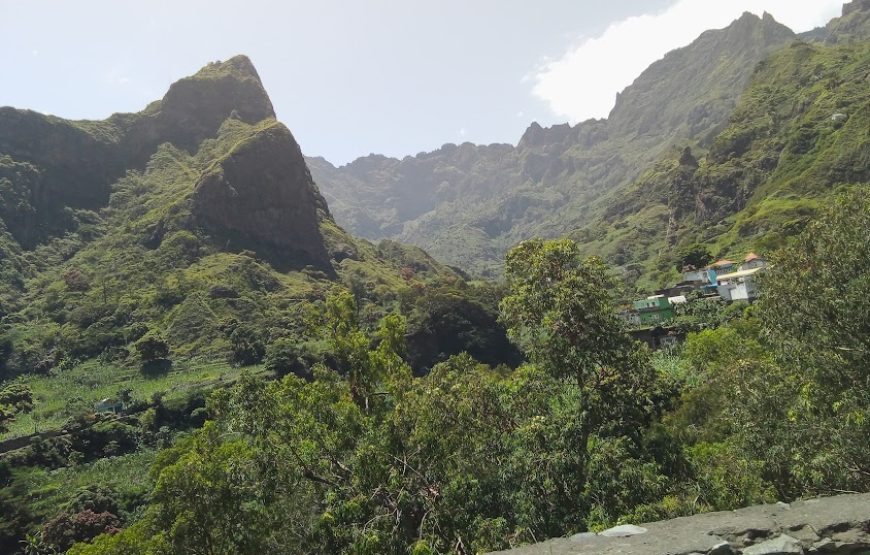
(654, 310)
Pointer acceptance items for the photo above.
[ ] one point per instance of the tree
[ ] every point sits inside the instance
(696, 255)
(152, 346)
(560, 312)
(246, 345)
(284, 356)
(815, 310)
(367, 370)
(66, 529)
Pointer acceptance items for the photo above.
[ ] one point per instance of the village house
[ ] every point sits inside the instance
(654, 309)
(751, 261)
(693, 276)
(741, 285)
(722, 279)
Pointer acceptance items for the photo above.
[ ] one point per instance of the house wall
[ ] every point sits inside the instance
(743, 290)
(695, 275)
(656, 316)
(757, 263)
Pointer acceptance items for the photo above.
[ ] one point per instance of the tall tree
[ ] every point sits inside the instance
(815, 309)
(560, 311)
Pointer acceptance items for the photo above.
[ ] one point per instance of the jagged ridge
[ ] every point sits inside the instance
(468, 204)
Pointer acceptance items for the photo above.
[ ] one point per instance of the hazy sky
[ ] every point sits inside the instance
(351, 77)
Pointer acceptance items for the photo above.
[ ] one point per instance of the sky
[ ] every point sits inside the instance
(354, 77)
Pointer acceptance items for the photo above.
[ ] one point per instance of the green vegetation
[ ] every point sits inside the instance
(783, 155)
(195, 357)
(367, 459)
(118, 485)
(590, 432)
(68, 393)
(14, 399)
(128, 297)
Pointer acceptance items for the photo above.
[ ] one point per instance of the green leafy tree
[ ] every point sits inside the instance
(246, 345)
(815, 309)
(367, 369)
(696, 255)
(152, 346)
(560, 311)
(284, 356)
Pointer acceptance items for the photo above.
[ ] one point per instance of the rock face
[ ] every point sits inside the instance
(853, 25)
(258, 196)
(261, 197)
(838, 524)
(467, 204)
(77, 161)
(195, 107)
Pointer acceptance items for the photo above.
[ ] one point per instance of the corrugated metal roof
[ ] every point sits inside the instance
(742, 273)
(723, 262)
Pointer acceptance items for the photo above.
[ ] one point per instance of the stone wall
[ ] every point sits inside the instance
(838, 524)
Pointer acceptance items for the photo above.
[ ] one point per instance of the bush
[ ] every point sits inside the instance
(283, 356)
(152, 347)
(66, 529)
(246, 345)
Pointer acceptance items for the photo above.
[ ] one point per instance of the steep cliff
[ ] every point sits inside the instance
(798, 134)
(468, 204)
(260, 196)
(77, 161)
(197, 211)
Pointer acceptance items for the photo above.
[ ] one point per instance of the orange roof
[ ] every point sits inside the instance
(751, 256)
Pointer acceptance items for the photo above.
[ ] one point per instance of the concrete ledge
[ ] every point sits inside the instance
(839, 524)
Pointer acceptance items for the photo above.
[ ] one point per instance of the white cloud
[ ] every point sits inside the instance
(583, 82)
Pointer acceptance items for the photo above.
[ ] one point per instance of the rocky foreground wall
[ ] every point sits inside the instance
(838, 524)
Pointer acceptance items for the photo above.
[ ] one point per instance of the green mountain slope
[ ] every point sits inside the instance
(183, 221)
(468, 204)
(799, 134)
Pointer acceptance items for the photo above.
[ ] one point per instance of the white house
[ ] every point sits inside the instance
(739, 285)
(694, 275)
(751, 261)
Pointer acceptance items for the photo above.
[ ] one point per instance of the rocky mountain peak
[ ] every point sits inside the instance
(856, 6)
(852, 25)
(216, 91)
(195, 107)
(260, 196)
(657, 100)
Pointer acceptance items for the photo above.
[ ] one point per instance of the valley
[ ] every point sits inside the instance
(213, 344)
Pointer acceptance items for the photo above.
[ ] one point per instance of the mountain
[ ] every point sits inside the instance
(467, 204)
(75, 162)
(196, 214)
(853, 25)
(797, 137)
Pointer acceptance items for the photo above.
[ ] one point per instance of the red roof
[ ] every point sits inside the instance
(751, 256)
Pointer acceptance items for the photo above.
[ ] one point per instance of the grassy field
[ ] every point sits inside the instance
(63, 394)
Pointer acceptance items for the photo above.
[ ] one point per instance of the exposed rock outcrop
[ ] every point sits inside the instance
(194, 108)
(838, 524)
(560, 175)
(261, 197)
(79, 160)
